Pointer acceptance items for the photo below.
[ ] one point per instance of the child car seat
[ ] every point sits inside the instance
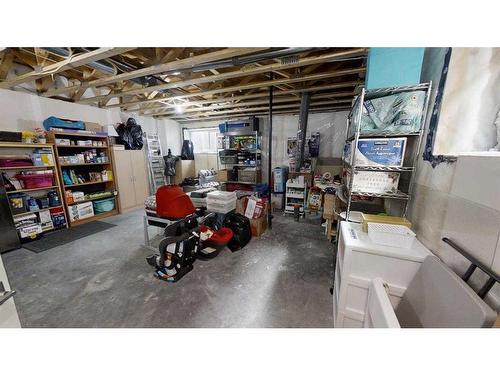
(213, 245)
(240, 226)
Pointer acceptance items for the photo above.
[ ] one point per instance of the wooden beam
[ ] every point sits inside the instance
(334, 86)
(263, 108)
(6, 64)
(66, 64)
(320, 109)
(275, 82)
(186, 63)
(236, 74)
(252, 103)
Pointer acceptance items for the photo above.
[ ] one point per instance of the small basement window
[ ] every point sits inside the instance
(204, 139)
(469, 114)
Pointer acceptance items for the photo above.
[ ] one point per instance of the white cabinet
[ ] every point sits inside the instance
(131, 178)
(358, 262)
(8, 312)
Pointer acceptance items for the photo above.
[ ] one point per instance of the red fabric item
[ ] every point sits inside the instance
(173, 203)
(220, 237)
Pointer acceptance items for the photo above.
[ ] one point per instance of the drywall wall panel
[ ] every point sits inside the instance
(25, 111)
(330, 125)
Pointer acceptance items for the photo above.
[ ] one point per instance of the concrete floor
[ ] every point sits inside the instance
(279, 280)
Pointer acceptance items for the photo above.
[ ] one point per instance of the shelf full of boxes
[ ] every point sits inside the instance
(85, 169)
(383, 138)
(32, 188)
(240, 157)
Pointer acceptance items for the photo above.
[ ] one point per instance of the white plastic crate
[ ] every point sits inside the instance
(221, 196)
(391, 235)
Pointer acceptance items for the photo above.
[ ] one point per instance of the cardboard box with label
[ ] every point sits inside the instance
(93, 127)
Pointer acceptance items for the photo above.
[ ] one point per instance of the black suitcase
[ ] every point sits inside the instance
(242, 234)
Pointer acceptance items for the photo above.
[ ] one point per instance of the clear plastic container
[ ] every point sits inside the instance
(391, 235)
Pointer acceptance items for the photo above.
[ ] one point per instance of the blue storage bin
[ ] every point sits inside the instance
(55, 122)
(104, 205)
(226, 127)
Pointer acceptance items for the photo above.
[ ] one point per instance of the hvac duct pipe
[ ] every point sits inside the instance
(301, 132)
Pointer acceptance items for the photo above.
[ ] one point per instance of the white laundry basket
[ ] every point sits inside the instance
(391, 235)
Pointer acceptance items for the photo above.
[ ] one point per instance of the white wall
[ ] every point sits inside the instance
(25, 111)
(434, 205)
(331, 126)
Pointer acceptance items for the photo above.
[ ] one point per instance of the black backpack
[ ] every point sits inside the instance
(242, 234)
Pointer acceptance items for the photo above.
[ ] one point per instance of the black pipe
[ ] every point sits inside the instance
(270, 153)
(305, 102)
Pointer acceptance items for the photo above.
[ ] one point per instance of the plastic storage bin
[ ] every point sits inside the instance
(391, 235)
(104, 205)
(36, 180)
(247, 175)
(383, 219)
(221, 201)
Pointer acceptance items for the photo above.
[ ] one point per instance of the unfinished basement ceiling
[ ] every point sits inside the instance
(189, 84)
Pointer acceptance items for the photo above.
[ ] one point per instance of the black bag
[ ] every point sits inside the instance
(187, 152)
(130, 135)
(242, 234)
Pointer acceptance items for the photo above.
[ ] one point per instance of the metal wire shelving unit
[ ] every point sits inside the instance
(354, 122)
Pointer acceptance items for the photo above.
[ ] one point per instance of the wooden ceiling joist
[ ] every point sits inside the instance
(66, 64)
(160, 68)
(291, 111)
(231, 75)
(263, 108)
(190, 83)
(131, 106)
(261, 113)
(318, 76)
(252, 103)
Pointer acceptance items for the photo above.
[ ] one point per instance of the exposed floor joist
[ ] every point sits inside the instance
(230, 75)
(161, 68)
(187, 83)
(61, 66)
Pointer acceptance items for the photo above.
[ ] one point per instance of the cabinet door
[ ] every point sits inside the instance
(124, 178)
(140, 178)
(8, 312)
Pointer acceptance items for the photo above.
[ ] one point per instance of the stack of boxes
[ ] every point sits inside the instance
(376, 152)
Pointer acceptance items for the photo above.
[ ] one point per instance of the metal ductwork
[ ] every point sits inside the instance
(99, 65)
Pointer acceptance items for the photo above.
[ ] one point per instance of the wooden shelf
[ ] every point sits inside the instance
(35, 189)
(78, 146)
(92, 199)
(26, 167)
(87, 183)
(82, 164)
(240, 182)
(34, 212)
(77, 134)
(62, 150)
(56, 187)
(95, 217)
(25, 145)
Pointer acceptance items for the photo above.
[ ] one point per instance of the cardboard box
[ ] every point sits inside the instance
(81, 211)
(183, 169)
(329, 206)
(374, 182)
(223, 175)
(258, 226)
(94, 127)
(386, 152)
